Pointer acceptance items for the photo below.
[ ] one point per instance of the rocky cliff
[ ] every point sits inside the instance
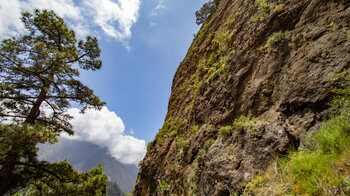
(253, 84)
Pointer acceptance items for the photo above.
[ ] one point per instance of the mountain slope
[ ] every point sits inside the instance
(254, 83)
(84, 156)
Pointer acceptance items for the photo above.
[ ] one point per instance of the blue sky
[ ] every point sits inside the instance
(142, 43)
(136, 84)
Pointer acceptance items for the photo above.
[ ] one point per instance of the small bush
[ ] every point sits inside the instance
(244, 121)
(225, 131)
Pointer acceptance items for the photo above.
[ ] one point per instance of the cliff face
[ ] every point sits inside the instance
(253, 84)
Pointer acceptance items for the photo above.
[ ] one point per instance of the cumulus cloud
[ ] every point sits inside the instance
(105, 129)
(112, 18)
(106, 13)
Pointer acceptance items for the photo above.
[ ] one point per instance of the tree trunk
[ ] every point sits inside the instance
(7, 178)
(35, 111)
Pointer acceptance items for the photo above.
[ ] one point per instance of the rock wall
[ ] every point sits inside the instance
(254, 83)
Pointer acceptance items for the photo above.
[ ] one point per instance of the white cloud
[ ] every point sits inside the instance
(113, 18)
(105, 129)
(9, 18)
(158, 7)
(106, 13)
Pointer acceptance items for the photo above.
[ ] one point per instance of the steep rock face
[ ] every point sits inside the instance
(254, 83)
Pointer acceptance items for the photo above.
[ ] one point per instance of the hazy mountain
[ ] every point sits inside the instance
(84, 156)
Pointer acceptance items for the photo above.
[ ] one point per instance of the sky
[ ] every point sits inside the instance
(142, 44)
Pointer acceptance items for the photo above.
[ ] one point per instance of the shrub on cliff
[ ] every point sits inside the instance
(206, 10)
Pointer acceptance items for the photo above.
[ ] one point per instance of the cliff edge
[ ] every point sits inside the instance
(254, 83)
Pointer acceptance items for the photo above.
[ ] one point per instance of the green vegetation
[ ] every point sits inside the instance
(244, 121)
(263, 11)
(229, 149)
(323, 168)
(164, 186)
(219, 56)
(195, 128)
(208, 143)
(224, 132)
(182, 143)
(170, 128)
(200, 155)
(347, 34)
(192, 189)
(275, 39)
(38, 81)
(333, 26)
(233, 17)
(206, 10)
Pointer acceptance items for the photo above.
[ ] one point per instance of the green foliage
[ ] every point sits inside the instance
(347, 34)
(333, 26)
(208, 143)
(277, 37)
(263, 11)
(278, 8)
(182, 143)
(38, 81)
(308, 169)
(233, 17)
(229, 149)
(192, 189)
(341, 90)
(244, 121)
(315, 171)
(87, 183)
(170, 128)
(195, 128)
(164, 186)
(42, 177)
(200, 155)
(225, 131)
(206, 10)
(42, 68)
(216, 67)
(334, 137)
(274, 40)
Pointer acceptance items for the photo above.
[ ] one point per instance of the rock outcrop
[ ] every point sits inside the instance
(254, 83)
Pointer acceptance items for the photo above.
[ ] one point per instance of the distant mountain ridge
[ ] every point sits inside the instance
(84, 156)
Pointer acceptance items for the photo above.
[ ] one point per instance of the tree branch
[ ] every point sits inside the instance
(77, 59)
(40, 167)
(13, 116)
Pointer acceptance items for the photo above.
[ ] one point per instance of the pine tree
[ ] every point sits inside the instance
(39, 75)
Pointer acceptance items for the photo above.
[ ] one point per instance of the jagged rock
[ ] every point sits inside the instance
(272, 60)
